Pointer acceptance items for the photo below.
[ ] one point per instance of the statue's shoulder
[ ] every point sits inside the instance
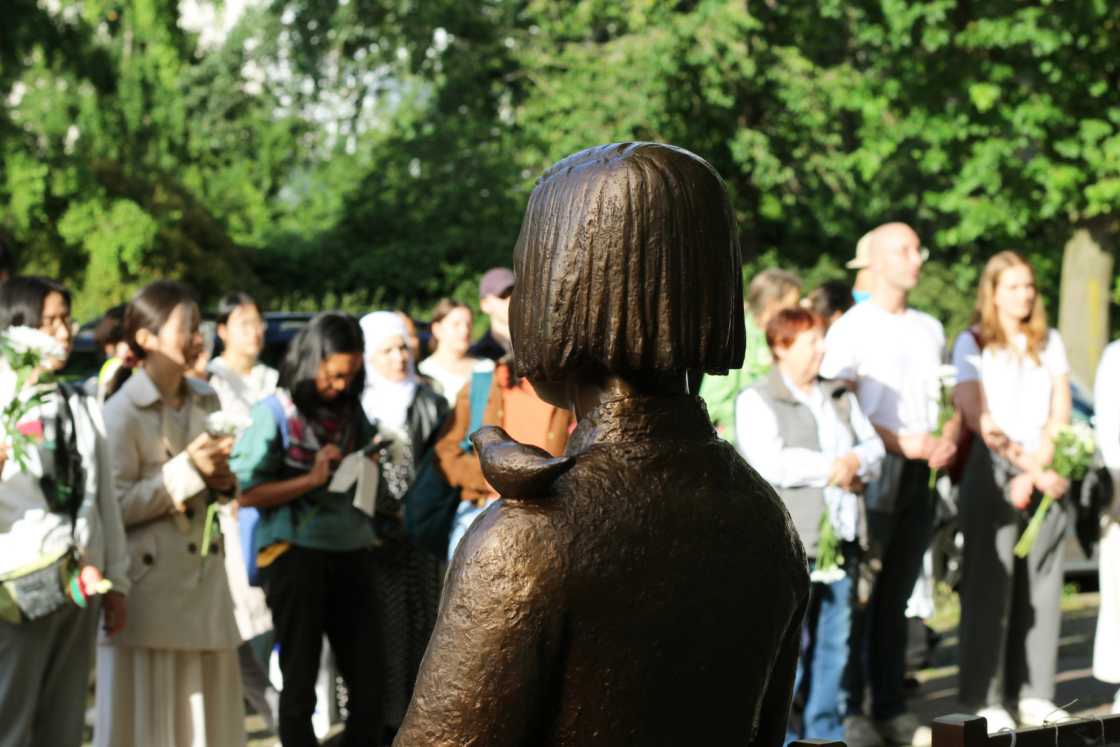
(515, 545)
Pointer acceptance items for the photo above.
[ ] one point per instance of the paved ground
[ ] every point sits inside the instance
(938, 693)
(1075, 683)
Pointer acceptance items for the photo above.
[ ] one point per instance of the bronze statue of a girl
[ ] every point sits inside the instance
(648, 587)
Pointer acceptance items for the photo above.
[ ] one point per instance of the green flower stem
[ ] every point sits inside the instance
(311, 515)
(209, 526)
(1030, 535)
(828, 545)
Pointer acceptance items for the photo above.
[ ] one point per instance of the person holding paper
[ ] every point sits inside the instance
(314, 545)
(406, 415)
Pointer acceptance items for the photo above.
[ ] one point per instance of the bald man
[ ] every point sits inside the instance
(887, 353)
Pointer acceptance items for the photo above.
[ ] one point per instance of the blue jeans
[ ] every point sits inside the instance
(464, 517)
(880, 631)
(824, 655)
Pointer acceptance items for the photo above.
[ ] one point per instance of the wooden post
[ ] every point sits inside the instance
(1086, 288)
(960, 730)
(972, 731)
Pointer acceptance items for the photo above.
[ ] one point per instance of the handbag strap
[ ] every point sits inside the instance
(480, 396)
(64, 482)
(272, 402)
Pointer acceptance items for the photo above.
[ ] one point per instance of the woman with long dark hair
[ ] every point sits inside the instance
(406, 415)
(59, 508)
(314, 546)
(1014, 393)
(172, 677)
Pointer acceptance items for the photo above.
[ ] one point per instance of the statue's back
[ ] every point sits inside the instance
(653, 597)
(686, 582)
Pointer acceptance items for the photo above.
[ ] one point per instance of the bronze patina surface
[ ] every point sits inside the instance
(648, 588)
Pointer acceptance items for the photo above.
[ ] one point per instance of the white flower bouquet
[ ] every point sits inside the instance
(827, 569)
(221, 423)
(26, 351)
(940, 390)
(1074, 446)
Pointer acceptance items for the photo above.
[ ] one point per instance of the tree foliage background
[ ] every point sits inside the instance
(380, 152)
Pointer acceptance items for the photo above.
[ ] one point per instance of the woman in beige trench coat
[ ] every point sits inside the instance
(172, 679)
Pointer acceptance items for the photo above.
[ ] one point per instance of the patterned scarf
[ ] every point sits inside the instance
(306, 436)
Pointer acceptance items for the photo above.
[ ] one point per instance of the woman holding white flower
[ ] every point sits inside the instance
(241, 381)
(808, 437)
(172, 678)
(1013, 389)
(56, 497)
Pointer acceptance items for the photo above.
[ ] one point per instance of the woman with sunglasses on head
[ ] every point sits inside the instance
(57, 501)
(172, 677)
(314, 546)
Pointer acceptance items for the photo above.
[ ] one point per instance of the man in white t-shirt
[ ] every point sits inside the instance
(888, 353)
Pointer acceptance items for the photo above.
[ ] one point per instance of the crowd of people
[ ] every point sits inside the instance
(846, 423)
(233, 549)
(250, 527)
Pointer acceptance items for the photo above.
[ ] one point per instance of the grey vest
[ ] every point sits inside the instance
(798, 429)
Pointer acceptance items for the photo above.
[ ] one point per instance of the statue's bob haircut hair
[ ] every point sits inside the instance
(628, 256)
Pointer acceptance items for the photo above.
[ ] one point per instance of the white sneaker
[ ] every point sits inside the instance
(998, 718)
(1038, 712)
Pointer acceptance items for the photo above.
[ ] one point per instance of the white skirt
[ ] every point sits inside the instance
(1106, 648)
(167, 698)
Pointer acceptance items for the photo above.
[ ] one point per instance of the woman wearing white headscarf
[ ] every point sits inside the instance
(406, 414)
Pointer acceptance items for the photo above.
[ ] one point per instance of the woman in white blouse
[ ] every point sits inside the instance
(1013, 390)
(809, 439)
(241, 380)
(449, 366)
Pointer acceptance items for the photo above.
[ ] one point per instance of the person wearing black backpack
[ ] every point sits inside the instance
(58, 521)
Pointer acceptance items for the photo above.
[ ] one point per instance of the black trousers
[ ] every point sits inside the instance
(312, 592)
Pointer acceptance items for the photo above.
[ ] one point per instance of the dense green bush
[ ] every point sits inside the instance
(373, 152)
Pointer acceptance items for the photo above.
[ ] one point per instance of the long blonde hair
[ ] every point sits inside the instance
(986, 318)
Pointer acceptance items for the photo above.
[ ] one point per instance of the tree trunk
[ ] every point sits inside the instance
(1086, 286)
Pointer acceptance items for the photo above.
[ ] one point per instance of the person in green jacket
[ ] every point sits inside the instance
(770, 291)
(314, 544)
